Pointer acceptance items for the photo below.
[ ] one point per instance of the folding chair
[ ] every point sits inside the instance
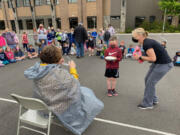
(31, 115)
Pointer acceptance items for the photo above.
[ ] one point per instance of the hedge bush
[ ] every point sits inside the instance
(156, 27)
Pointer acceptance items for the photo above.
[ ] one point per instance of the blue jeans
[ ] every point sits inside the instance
(154, 75)
(12, 61)
(12, 46)
(107, 43)
(80, 49)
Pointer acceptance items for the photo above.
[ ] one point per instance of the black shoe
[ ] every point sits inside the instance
(77, 57)
(155, 103)
(144, 107)
(114, 92)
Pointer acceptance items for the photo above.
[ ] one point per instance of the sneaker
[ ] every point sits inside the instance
(109, 93)
(114, 92)
(144, 107)
(156, 103)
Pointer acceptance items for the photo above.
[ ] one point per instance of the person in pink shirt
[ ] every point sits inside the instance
(2, 42)
(10, 55)
(25, 41)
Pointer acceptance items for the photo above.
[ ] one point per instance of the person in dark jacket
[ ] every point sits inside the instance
(107, 36)
(80, 35)
(112, 67)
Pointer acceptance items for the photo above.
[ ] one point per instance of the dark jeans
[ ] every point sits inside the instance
(63, 48)
(80, 49)
(70, 45)
(25, 46)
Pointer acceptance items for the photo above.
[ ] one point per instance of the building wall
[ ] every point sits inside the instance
(142, 8)
(106, 11)
(1, 15)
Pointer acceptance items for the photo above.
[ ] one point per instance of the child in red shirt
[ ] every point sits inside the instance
(112, 67)
(25, 41)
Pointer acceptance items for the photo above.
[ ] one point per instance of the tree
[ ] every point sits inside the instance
(172, 8)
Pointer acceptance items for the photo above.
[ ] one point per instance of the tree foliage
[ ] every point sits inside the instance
(172, 6)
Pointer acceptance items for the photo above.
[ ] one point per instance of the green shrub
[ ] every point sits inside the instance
(156, 27)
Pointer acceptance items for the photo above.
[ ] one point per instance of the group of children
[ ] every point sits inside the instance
(9, 54)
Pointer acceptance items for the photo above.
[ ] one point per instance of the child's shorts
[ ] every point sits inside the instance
(112, 73)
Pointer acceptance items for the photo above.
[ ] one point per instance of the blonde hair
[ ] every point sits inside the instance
(140, 31)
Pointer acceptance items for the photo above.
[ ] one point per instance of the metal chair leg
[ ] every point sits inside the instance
(19, 121)
(49, 123)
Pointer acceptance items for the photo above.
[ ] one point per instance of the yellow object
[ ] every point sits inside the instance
(43, 64)
(73, 71)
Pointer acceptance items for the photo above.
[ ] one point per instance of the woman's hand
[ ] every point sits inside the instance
(72, 64)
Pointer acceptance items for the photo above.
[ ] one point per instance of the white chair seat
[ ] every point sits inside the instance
(32, 117)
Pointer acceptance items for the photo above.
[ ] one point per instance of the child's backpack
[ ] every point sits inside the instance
(2, 42)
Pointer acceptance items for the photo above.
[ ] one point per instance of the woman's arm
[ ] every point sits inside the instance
(151, 56)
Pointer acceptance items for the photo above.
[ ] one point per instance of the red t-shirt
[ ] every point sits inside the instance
(24, 39)
(115, 52)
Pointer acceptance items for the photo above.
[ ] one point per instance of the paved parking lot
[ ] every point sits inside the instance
(119, 110)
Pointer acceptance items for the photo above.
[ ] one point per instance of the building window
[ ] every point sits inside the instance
(39, 21)
(0, 3)
(73, 22)
(50, 22)
(72, 1)
(38, 2)
(18, 3)
(58, 22)
(115, 17)
(29, 24)
(169, 19)
(152, 19)
(90, 0)
(48, 2)
(139, 21)
(57, 2)
(92, 22)
(20, 23)
(13, 25)
(9, 4)
(2, 25)
(26, 3)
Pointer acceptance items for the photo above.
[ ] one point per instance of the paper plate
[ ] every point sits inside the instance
(110, 58)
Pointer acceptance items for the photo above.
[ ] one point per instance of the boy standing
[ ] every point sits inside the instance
(112, 67)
